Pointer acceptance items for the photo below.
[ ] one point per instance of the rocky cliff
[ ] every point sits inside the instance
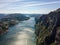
(47, 29)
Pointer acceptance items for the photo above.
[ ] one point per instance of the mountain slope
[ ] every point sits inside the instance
(47, 28)
(10, 20)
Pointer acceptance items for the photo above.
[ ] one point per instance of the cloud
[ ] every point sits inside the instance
(7, 1)
(40, 4)
(30, 4)
(24, 3)
(24, 6)
(34, 3)
(4, 3)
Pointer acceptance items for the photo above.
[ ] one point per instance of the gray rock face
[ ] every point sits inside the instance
(46, 29)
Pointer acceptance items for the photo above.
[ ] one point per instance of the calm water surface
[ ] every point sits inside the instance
(20, 34)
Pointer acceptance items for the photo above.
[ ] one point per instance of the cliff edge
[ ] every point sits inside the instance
(47, 29)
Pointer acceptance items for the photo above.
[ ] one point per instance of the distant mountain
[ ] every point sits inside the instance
(17, 16)
(33, 15)
(2, 16)
(47, 29)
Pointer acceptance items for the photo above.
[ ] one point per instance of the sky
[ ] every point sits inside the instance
(29, 6)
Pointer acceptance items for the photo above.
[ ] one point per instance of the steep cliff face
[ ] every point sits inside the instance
(47, 31)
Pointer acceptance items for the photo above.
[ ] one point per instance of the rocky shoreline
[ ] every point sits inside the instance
(7, 22)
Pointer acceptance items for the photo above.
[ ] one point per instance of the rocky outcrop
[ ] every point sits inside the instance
(47, 31)
(10, 20)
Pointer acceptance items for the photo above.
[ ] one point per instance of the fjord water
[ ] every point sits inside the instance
(20, 34)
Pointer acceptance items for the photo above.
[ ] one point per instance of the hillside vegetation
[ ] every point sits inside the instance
(9, 20)
(47, 29)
